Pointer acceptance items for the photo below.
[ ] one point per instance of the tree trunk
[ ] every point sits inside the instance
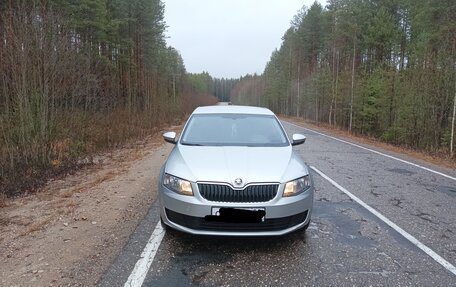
(333, 89)
(452, 122)
(336, 88)
(352, 85)
(299, 86)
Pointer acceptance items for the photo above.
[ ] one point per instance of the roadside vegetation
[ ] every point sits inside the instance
(385, 69)
(77, 77)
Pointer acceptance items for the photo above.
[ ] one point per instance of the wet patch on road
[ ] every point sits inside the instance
(396, 202)
(211, 261)
(401, 171)
(424, 216)
(338, 215)
(193, 253)
(376, 194)
(450, 190)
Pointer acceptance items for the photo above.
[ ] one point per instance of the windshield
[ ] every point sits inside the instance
(234, 130)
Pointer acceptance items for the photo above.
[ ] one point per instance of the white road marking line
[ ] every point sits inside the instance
(139, 273)
(401, 231)
(377, 152)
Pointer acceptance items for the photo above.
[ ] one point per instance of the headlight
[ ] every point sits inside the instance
(177, 184)
(296, 186)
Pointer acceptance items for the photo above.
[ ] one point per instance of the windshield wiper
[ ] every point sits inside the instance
(192, 144)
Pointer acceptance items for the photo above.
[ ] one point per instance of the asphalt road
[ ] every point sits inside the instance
(345, 245)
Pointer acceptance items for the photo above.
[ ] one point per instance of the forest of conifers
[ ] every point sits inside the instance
(79, 76)
(385, 69)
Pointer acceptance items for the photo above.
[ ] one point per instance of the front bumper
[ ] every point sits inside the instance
(188, 213)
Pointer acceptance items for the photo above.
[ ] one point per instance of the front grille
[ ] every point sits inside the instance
(272, 224)
(225, 193)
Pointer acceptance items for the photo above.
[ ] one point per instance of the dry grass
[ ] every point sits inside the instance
(66, 210)
(3, 200)
(137, 155)
(36, 226)
(107, 176)
(66, 194)
(5, 221)
(45, 195)
(17, 220)
(62, 203)
(100, 134)
(89, 185)
(64, 206)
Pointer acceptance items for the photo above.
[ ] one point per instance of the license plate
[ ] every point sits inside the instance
(216, 210)
(239, 215)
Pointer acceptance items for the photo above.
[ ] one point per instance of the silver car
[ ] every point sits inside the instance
(234, 172)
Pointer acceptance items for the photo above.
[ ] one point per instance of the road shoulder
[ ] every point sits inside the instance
(71, 231)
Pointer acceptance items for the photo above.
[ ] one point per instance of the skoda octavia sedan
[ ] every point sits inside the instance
(233, 172)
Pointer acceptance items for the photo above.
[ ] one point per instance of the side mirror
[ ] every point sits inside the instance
(170, 137)
(298, 139)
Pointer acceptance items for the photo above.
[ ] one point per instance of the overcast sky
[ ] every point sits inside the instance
(228, 38)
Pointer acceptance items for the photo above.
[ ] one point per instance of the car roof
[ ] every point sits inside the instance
(232, 109)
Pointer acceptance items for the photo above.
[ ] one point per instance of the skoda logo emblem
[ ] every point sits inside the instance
(238, 181)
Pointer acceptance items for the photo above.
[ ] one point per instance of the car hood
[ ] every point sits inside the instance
(226, 164)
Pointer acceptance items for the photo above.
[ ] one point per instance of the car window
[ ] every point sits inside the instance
(234, 130)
